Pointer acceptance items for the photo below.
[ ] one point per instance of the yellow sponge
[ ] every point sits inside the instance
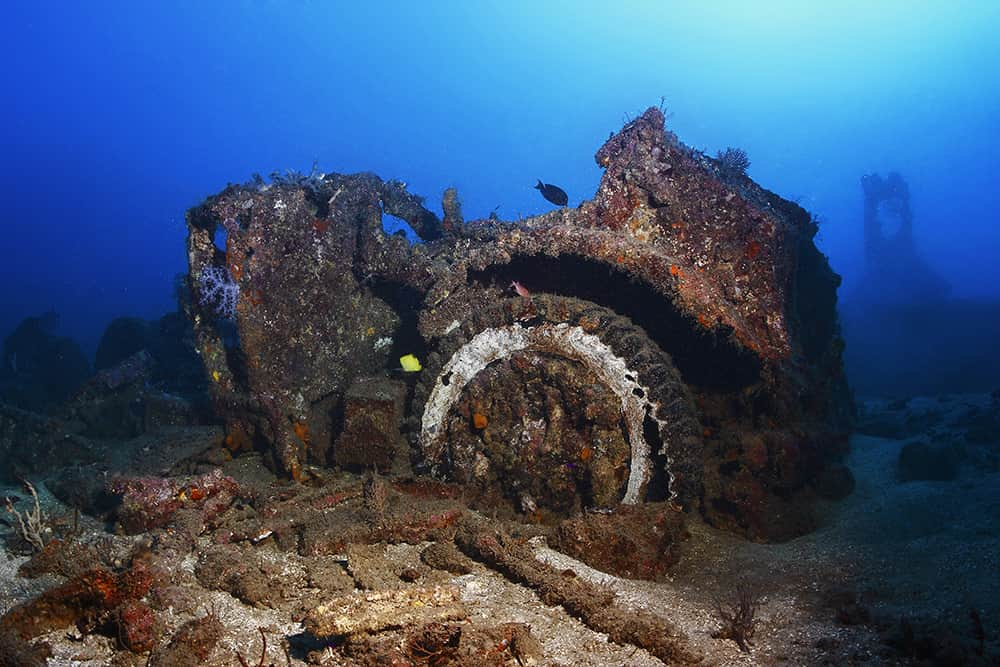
(410, 363)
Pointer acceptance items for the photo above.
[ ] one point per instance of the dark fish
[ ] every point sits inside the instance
(554, 194)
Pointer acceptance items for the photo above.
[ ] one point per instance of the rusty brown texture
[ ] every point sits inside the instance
(663, 215)
(722, 276)
(373, 416)
(307, 319)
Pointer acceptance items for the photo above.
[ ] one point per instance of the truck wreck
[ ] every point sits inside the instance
(675, 339)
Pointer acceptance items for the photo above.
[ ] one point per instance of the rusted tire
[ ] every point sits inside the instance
(559, 404)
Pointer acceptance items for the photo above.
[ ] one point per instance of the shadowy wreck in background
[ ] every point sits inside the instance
(908, 334)
(676, 339)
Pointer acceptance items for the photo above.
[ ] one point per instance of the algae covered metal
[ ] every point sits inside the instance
(672, 338)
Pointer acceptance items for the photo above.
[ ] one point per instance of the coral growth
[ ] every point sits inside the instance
(32, 524)
(218, 291)
(633, 541)
(739, 617)
(89, 601)
(151, 502)
(138, 629)
(734, 160)
(592, 604)
(708, 289)
(191, 644)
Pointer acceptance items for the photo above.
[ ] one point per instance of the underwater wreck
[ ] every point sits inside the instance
(903, 309)
(674, 338)
(894, 273)
(591, 383)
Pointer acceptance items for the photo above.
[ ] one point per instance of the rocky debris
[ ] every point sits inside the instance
(130, 369)
(374, 408)
(631, 541)
(67, 557)
(943, 437)
(125, 401)
(31, 443)
(88, 600)
(371, 570)
(319, 532)
(148, 375)
(192, 644)
(450, 644)
(592, 604)
(897, 422)
(248, 575)
(152, 502)
(168, 345)
(373, 611)
(446, 556)
(138, 628)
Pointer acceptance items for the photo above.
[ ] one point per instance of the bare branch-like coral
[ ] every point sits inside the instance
(32, 523)
(263, 651)
(739, 621)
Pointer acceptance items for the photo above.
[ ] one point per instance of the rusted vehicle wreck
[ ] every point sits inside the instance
(675, 339)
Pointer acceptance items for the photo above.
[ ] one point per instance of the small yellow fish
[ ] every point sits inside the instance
(410, 363)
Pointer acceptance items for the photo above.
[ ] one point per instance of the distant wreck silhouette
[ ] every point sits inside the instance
(905, 333)
(894, 271)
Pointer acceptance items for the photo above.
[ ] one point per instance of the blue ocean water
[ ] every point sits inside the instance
(118, 117)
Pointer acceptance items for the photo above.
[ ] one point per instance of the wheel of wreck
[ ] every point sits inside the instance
(552, 405)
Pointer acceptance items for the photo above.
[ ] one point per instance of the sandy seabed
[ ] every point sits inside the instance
(894, 568)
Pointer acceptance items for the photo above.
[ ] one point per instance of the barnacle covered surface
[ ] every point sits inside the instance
(308, 317)
(723, 276)
(663, 217)
(733, 305)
